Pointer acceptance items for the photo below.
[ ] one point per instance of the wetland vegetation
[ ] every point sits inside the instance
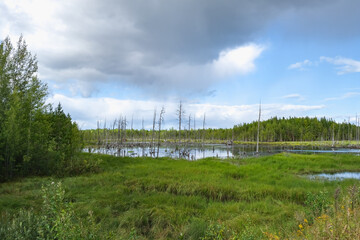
(147, 198)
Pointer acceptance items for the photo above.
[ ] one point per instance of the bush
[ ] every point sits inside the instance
(56, 220)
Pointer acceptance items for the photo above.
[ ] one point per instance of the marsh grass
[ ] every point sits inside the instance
(145, 198)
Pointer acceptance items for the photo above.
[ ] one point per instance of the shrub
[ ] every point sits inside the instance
(56, 220)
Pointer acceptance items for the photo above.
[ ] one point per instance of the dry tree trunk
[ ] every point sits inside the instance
(161, 119)
(152, 147)
(258, 130)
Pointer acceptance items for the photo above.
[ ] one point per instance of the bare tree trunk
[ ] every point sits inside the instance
(189, 128)
(333, 135)
(152, 147)
(161, 119)
(194, 130)
(258, 130)
(143, 136)
(180, 112)
(125, 124)
(203, 134)
(131, 132)
(105, 136)
(98, 132)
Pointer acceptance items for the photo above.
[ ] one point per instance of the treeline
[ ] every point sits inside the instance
(297, 129)
(34, 137)
(271, 130)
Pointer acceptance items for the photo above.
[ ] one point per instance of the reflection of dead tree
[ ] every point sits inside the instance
(161, 119)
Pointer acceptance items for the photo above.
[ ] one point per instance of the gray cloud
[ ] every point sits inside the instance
(165, 46)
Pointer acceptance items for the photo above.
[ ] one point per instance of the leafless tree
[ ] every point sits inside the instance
(189, 123)
(180, 113)
(98, 131)
(161, 120)
(152, 147)
(203, 134)
(258, 131)
(132, 134)
(143, 136)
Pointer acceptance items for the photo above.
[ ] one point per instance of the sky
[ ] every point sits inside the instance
(106, 59)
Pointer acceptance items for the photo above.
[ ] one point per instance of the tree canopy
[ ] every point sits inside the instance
(34, 138)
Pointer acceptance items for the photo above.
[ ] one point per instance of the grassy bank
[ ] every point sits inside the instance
(145, 198)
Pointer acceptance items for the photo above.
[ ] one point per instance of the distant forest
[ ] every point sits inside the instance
(271, 130)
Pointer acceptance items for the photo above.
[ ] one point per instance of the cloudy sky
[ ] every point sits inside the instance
(106, 58)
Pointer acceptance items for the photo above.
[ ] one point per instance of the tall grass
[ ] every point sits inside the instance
(147, 198)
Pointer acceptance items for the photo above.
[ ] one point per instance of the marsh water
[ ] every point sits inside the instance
(194, 152)
(336, 176)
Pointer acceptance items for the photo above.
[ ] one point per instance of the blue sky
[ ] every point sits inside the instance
(106, 59)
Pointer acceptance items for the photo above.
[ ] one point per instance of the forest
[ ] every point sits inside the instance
(272, 130)
(35, 138)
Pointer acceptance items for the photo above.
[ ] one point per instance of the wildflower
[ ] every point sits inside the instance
(301, 226)
(305, 220)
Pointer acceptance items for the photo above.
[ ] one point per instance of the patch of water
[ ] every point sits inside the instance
(336, 176)
(195, 152)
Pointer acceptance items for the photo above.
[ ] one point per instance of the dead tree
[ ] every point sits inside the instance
(161, 120)
(180, 113)
(203, 134)
(258, 131)
(98, 132)
(189, 128)
(152, 147)
(131, 131)
(143, 137)
(124, 123)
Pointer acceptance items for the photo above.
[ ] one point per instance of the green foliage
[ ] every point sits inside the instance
(219, 231)
(56, 220)
(342, 223)
(34, 138)
(317, 203)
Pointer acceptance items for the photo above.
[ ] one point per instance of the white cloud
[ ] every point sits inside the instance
(301, 65)
(86, 111)
(238, 60)
(346, 65)
(293, 96)
(345, 96)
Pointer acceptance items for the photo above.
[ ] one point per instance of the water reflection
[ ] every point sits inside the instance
(194, 152)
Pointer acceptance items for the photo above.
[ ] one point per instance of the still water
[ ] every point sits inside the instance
(336, 176)
(194, 152)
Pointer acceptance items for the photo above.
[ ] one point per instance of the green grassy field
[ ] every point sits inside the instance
(145, 198)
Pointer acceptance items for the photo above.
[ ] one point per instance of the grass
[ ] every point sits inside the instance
(145, 198)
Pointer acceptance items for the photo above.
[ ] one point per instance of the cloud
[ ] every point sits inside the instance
(346, 65)
(293, 96)
(154, 46)
(345, 96)
(151, 44)
(237, 60)
(224, 116)
(301, 65)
